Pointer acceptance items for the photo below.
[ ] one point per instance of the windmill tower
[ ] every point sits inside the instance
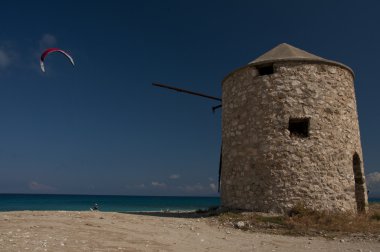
(291, 135)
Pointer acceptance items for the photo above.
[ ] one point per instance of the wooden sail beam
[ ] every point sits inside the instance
(216, 107)
(187, 91)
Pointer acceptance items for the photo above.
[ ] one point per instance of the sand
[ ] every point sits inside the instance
(102, 231)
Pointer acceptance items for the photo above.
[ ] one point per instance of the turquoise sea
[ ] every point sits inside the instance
(374, 200)
(20, 202)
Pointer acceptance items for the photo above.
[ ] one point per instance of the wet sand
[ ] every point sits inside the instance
(107, 231)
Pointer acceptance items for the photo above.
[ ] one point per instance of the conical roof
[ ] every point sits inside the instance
(286, 52)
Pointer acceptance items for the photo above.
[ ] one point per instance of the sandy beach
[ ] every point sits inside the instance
(107, 231)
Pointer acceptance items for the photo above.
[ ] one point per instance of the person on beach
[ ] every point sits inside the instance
(95, 207)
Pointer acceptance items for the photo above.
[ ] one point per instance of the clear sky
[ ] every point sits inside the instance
(101, 128)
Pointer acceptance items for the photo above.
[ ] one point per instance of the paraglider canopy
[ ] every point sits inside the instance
(51, 50)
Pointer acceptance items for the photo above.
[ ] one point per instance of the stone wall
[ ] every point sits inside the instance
(267, 169)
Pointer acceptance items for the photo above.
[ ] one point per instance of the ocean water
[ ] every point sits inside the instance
(374, 200)
(20, 202)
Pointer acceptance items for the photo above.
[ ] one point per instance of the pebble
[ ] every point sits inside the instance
(342, 241)
(240, 224)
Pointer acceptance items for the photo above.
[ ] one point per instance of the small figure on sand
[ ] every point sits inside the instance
(95, 207)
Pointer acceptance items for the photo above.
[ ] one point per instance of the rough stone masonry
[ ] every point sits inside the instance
(291, 136)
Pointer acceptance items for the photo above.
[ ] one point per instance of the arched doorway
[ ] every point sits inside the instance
(359, 184)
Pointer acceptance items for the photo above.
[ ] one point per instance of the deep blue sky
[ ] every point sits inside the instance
(101, 128)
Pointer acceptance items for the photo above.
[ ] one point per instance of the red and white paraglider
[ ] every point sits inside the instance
(51, 50)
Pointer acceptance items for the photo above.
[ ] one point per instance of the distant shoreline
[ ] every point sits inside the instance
(114, 203)
(113, 195)
(109, 203)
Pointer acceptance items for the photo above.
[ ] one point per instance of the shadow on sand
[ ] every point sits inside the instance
(172, 214)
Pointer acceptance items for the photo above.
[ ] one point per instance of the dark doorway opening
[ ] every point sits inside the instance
(359, 183)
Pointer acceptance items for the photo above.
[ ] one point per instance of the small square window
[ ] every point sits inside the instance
(265, 70)
(299, 127)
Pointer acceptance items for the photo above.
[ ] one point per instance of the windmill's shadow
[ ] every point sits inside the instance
(171, 214)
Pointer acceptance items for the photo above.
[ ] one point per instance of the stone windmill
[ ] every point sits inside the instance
(290, 135)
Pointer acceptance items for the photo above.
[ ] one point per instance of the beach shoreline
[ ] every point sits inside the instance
(147, 231)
